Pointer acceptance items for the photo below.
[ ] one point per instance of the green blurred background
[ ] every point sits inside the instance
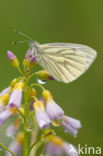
(59, 21)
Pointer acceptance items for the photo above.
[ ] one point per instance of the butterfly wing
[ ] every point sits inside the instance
(66, 62)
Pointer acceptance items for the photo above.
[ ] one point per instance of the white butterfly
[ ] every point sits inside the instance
(64, 61)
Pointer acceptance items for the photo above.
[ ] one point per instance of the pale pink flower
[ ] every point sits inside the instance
(16, 145)
(6, 114)
(70, 124)
(42, 117)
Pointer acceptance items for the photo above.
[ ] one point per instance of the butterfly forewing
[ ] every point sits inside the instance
(66, 62)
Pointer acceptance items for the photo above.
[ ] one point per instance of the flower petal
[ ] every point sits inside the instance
(53, 110)
(43, 119)
(71, 125)
(69, 149)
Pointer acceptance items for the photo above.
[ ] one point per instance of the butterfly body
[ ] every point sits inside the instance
(64, 61)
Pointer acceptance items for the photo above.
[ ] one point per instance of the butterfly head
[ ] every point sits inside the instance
(34, 46)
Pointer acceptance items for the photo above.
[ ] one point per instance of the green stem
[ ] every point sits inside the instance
(33, 145)
(34, 74)
(35, 98)
(19, 70)
(26, 122)
(34, 136)
(39, 85)
(37, 141)
(3, 146)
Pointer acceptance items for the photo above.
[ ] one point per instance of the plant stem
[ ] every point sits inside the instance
(34, 136)
(34, 144)
(26, 122)
(19, 70)
(21, 114)
(3, 146)
(39, 139)
(39, 85)
(32, 75)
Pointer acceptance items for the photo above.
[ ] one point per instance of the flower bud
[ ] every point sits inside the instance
(4, 99)
(47, 95)
(13, 59)
(29, 60)
(32, 93)
(19, 86)
(13, 82)
(43, 74)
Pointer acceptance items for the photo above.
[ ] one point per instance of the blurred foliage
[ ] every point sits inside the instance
(59, 21)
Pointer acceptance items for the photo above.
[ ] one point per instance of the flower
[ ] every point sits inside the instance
(16, 96)
(16, 145)
(30, 57)
(53, 110)
(42, 117)
(5, 91)
(4, 98)
(57, 146)
(28, 54)
(12, 129)
(6, 114)
(53, 149)
(71, 125)
(42, 99)
(31, 108)
(13, 59)
(11, 56)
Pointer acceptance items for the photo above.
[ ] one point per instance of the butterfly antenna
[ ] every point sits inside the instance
(20, 42)
(24, 35)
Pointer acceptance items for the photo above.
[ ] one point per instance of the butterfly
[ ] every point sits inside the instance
(64, 61)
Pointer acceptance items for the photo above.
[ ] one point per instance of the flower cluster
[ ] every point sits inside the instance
(34, 112)
(10, 100)
(50, 112)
